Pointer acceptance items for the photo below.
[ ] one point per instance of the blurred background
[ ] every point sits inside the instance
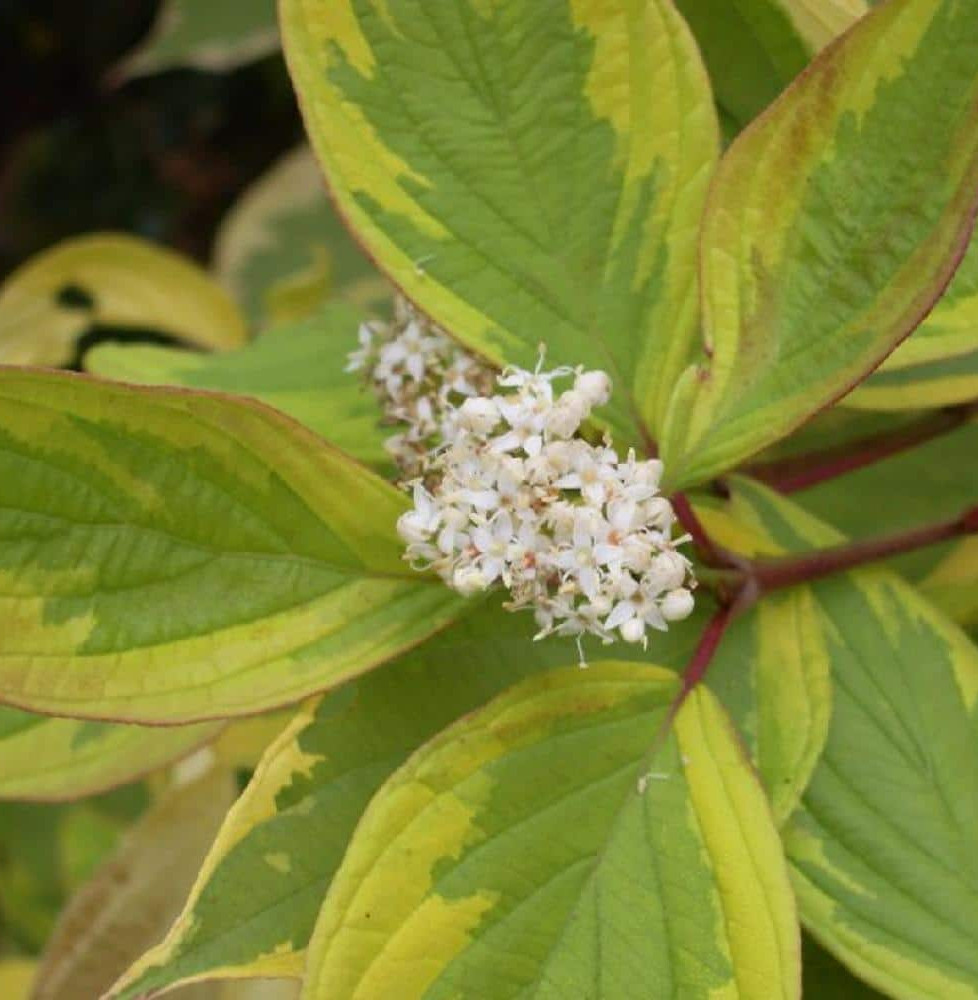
(104, 133)
(149, 117)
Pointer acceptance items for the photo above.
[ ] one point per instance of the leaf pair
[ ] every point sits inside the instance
(585, 738)
(880, 847)
(228, 538)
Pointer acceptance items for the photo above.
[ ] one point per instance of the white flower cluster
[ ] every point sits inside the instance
(419, 374)
(512, 495)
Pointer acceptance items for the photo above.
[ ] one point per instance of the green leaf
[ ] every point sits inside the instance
(45, 759)
(172, 556)
(539, 848)
(526, 172)
(283, 233)
(773, 669)
(834, 224)
(217, 36)
(882, 848)
(32, 888)
(297, 368)
(952, 584)
(928, 385)
(938, 365)
(932, 481)
(134, 895)
(951, 329)
(834, 430)
(791, 677)
(109, 279)
(252, 910)
(754, 48)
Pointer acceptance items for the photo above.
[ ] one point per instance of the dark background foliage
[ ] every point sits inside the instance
(162, 157)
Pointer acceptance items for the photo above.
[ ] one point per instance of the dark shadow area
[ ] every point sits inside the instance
(161, 157)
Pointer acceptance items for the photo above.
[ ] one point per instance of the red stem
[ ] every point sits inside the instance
(703, 655)
(711, 553)
(765, 575)
(789, 475)
(773, 574)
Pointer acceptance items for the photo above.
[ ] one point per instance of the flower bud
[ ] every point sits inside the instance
(633, 630)
(468, 581)
(649, 473)
(595, 387)
(567, 415)
(668, 571)
(479, 414)
(659, 513)
(412, 526)
(677, 605)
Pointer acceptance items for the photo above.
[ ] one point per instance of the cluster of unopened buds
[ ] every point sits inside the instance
(511, 494)
(419, 375)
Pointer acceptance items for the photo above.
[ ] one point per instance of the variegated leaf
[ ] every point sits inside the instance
(755, 48)
(531, 172)
(834, 224)
(298, 368)
(290, 828)
(46, 759)
(110, 279)
(282, 248)
(539, 847)
(172, 556)
(217, 35)
(882, 847)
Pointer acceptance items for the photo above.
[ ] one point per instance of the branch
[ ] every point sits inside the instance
(799, 472)
(773, 574)
(703, 655)
(711, 553)
(755, 578)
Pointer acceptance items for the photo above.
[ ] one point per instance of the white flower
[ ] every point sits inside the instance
(632, 616)
(359, 358)
(677, 605)
(419, 375)
(667, 570)
(595, 387)
(479, 414)
(492, 542)
(468, 581)
(419, 523)
(510, 495)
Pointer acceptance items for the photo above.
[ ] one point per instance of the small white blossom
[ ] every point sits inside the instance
(419, 375)
(512, 496)
(677, 605)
